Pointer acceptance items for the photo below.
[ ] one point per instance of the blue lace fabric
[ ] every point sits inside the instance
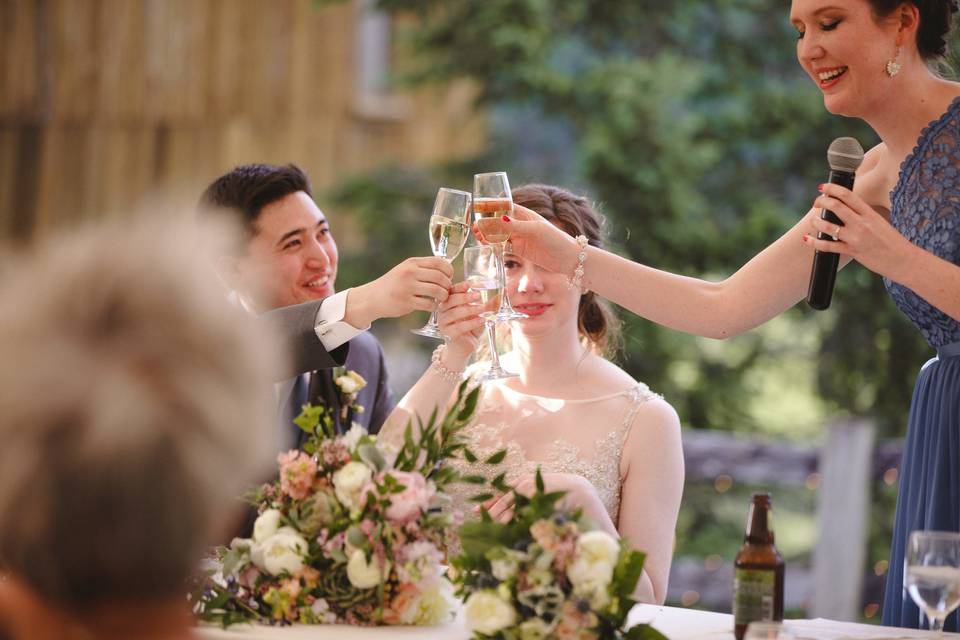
(926, 210)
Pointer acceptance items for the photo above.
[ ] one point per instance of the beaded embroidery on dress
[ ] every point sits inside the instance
(926, 210)
(584, 437)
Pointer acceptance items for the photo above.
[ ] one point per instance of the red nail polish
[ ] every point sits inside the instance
(806, 237)
(820, 187)
(506, 218)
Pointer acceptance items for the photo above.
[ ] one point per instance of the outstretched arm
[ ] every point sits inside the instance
(773, 281)
(412, 285)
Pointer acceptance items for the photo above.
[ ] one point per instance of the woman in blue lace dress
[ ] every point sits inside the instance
(872, 60)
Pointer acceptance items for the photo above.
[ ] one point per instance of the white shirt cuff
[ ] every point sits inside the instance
(331, 328)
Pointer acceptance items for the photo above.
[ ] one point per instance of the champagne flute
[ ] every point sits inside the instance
(932, 574)
(492, 200)
(449, 228)
(480, 268)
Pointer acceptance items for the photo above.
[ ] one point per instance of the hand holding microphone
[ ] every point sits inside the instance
(844, 156)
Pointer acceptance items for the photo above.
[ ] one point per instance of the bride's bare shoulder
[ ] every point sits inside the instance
(608, 377)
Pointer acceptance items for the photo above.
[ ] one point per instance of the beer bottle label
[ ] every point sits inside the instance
(753, 595)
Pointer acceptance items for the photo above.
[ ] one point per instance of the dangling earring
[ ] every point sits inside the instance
(893, 67)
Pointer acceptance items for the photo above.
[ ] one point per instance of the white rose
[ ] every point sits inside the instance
(431, 607)
(591, 571)
(363, 574)
(347, 384)
(504, 569)
(598, 546)
(591, 581)
(283, 551)
(486, 613)
(348, 481)
(266, 525)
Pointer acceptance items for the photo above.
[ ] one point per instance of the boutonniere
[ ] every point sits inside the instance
(349, 383)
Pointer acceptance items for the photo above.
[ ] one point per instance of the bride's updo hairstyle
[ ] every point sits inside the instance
(936, 21)
(597, 323)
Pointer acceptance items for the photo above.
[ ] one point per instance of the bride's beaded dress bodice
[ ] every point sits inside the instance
(583, 437)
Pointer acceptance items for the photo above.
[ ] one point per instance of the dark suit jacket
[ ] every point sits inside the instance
(376, 398)
(296, 325)
(365, 357)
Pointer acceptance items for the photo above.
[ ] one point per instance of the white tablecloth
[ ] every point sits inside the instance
(673, 622)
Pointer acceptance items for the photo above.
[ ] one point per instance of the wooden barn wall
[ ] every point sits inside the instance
(107, 106)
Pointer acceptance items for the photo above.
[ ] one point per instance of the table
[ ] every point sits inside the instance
(674, 622)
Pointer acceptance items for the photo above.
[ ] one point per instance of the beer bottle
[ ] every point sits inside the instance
(757, 570)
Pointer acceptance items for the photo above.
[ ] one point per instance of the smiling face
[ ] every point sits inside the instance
(291, 259)
(543, 295)
(844, 48)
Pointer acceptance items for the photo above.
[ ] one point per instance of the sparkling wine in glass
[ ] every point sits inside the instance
(449, 228)
(932, 573)
(480, 267)
(491, 201)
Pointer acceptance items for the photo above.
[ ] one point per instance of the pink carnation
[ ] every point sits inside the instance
(297, 471)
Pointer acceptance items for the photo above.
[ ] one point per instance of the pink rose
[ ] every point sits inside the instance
(297, 472)
(412, 501)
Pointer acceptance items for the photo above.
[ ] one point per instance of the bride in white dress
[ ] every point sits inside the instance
(594, 431)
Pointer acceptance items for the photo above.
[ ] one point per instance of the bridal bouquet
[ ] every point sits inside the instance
(344, 535)
(545, 574)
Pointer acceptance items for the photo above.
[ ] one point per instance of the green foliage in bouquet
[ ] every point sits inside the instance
(546, 574)
(349, 533)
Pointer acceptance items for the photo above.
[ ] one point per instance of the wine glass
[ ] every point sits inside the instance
(449, 228)
(481, 270)
(931, 573)
(492, 200)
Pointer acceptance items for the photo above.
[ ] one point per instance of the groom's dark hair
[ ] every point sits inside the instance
(247, 189)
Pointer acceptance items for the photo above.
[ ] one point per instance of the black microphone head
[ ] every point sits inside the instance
(845, 154)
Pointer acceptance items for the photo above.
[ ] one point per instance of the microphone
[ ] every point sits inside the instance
(843, 156)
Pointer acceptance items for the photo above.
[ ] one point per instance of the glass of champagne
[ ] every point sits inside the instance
(931, 573)
(491, 201)
(481, 270)
(449, 228)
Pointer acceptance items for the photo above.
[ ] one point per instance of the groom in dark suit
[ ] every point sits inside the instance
(285, 272)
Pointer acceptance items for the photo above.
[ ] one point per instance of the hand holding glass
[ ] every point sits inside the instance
(492, 200)
(480, 268)
(449, 228)
(932, 573)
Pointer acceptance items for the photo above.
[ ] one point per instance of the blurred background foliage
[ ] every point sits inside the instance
(701, 140)
(694, 129)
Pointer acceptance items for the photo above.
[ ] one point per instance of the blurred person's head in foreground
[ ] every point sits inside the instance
(289, 255)
(132, 413)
